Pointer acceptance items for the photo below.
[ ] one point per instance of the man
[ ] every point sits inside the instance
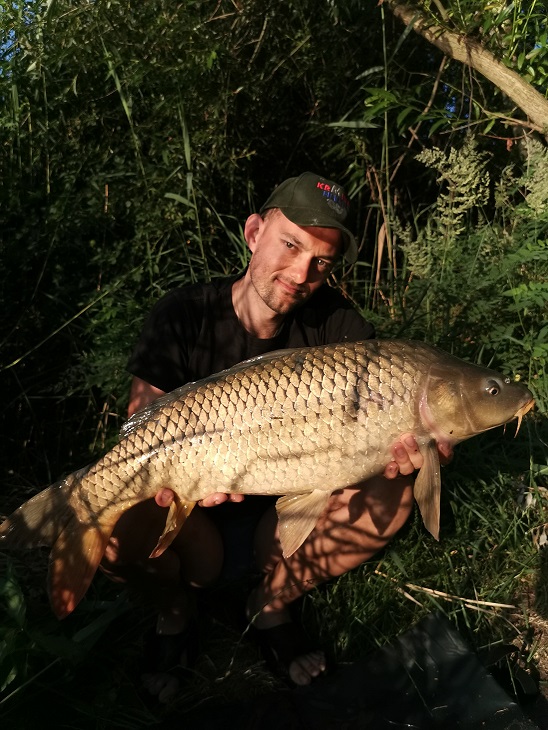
(281, 300)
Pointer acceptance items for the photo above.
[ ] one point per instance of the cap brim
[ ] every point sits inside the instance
(351, 249)
(302, 217)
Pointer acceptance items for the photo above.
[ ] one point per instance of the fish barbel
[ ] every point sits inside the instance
(299, 423)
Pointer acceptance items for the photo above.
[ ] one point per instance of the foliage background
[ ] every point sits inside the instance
(134, 140)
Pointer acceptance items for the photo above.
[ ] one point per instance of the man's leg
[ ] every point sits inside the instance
(357, 524)
(194, 559)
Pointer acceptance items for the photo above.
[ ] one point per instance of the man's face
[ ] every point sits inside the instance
(289, 262)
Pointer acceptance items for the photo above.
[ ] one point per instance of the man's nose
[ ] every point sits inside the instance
(300, 270)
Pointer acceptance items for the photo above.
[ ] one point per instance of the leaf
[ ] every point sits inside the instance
(436, 126)
(403, 115)
(358, 124)
(179, 199)
(92, 631)
(369, 72)
(374, 92)
(8, 666)
(534, 52)
(13, 598)
(398, 562)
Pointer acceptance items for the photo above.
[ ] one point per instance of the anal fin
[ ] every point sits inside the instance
(297, 516)
(179, 510)
(74, 559)
(427, 489)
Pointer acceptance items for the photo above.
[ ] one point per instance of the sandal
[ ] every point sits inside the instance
(280, 646)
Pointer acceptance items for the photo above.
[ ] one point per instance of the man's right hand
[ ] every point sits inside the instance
(164, 498)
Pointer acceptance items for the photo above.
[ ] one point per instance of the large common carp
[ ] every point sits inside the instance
(299, 423)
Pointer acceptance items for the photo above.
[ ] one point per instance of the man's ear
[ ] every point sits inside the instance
(252, 227)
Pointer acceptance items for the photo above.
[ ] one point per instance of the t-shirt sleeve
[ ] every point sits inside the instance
(162, 352)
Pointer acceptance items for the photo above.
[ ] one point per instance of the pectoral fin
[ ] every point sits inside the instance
(179, 511)
(297, 515)
(427, 489)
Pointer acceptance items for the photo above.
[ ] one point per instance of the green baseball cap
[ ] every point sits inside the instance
(311, 200)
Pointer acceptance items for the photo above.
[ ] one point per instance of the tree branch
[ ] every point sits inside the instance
(470, 52)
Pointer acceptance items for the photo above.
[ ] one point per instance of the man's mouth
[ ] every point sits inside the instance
(293, 289)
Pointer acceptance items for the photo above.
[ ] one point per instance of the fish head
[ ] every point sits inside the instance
(463, 400)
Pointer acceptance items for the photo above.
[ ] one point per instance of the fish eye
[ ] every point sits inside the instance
(493, 388)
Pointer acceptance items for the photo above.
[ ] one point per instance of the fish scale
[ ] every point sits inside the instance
(299, 423)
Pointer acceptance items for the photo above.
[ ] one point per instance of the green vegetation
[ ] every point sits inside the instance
(135, 138)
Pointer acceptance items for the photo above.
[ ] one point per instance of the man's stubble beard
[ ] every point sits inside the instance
(268, 293)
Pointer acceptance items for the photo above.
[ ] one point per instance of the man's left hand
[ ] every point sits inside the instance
(408, 458)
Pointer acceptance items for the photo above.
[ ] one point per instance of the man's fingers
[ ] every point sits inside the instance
(213, 499)
(218, 498)
(392, 470)
(407, 457)
(164, 497)
(235, 497)
(412, 450)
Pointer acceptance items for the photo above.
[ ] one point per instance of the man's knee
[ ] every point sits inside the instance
(135, 535)
(389, 503)
(379, 507)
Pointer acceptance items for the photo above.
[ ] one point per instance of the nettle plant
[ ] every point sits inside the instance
(476, 263)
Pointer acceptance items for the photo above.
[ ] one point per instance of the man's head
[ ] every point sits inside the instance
(289, 262)
(311, 200)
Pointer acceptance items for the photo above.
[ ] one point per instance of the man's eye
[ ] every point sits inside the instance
(288, 244)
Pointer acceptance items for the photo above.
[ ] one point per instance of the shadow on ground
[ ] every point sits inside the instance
(427, 678)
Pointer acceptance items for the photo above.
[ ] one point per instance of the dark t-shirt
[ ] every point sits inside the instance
(193, 332)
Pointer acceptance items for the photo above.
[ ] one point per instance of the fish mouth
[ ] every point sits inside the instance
(521, 412)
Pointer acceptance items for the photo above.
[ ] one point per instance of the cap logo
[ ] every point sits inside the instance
(335, 197)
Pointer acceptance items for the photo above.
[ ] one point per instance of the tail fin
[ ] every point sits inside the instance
(48, 519)
(38, 521)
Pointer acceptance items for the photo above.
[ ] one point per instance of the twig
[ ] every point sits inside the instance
(472, 602)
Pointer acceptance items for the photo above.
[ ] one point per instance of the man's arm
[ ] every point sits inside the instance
(140, 395)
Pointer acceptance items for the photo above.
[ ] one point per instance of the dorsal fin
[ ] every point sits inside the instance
(148, 412)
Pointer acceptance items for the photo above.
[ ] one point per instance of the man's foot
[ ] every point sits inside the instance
(170, 648)
(283, 644)
(166, 657)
